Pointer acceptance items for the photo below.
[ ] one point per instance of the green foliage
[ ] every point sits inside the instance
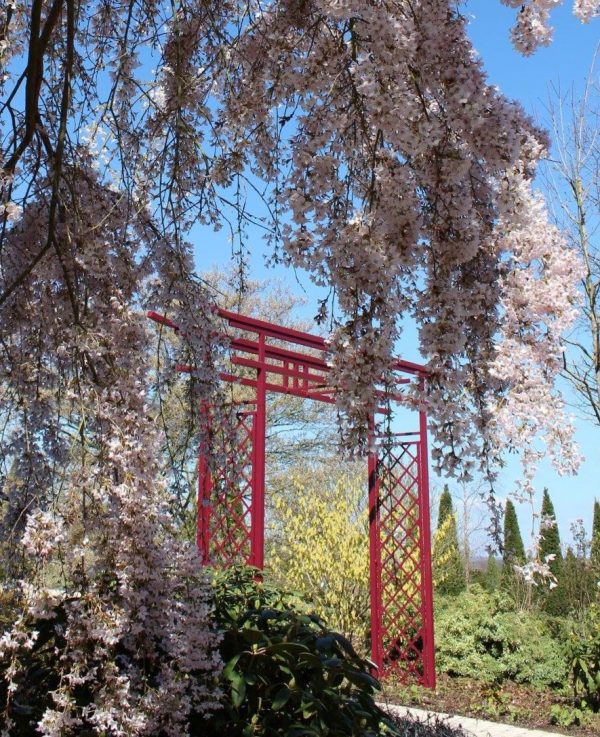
(513, 554)
(492, 574)
(481, 635)
(286, 673)
(583, 655)
(446, 507)
(448, 565)
(565, 715)
(595, 552)
(514, 550)
(576, 585)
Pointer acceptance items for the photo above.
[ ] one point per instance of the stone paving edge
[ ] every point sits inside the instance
(476, 727)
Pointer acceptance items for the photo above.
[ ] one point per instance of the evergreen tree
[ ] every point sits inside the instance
(577, 584)
(514, 550)
(446, 508)
(549, 544)
(448, 565)
(492, 573)
(552, 600)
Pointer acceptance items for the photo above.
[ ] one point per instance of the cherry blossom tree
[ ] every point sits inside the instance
(390, 170)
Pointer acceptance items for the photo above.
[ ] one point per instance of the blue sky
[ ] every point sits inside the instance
(566, 62)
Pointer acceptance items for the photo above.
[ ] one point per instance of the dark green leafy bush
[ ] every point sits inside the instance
(482, 635)
(286, 673)
(583, 653)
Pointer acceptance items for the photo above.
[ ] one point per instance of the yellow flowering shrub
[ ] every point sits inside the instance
(320, 544)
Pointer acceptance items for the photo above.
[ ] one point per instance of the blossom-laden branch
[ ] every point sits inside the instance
(533, 29)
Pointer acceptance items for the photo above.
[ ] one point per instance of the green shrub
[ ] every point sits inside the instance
(481, 635)
(286, 673)
(583, 654)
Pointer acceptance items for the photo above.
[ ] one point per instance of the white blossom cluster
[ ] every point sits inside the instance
(533, 29)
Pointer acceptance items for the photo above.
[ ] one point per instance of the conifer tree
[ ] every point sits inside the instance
(492, 573)
(549, 544)
(446, 507)
(514, 554)
(514, 550)
(577, 584)
(555, 600)
(448, 565)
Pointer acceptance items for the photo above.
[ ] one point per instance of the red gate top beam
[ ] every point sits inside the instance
(271, 330)
(300, 374)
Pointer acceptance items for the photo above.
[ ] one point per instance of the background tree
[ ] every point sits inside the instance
(472, 514)
(577, 587)
(579, 576)
(298, 430)
(493, 574)
(513, 552)
(573, 184)
(549, 540)
(513, 548)
(448, 565)
(552, 599)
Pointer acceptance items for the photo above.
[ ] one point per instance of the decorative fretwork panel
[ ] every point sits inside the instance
(225, 490)
(403, 617)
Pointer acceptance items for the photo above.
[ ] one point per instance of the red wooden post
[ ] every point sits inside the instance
(205, 486)
(425, 524)
(375, 559)
(257, 553)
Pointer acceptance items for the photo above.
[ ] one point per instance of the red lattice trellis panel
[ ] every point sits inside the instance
(225, 498)
(402, 622)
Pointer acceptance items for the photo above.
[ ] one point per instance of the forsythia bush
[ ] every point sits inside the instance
(323, 546)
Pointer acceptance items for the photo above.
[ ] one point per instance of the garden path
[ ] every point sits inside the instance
(476, 727)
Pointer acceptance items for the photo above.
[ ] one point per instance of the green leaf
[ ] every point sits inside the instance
(238, 689)
(324, 643)
(291, 648)
(230, 667)
(281, 698)
(252, 636)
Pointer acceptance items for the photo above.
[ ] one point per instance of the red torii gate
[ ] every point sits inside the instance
(231, 499)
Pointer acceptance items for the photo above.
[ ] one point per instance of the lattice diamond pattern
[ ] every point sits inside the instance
(230, 520)
(401, 554)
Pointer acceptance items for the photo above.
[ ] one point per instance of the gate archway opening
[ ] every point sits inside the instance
(265, 358)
